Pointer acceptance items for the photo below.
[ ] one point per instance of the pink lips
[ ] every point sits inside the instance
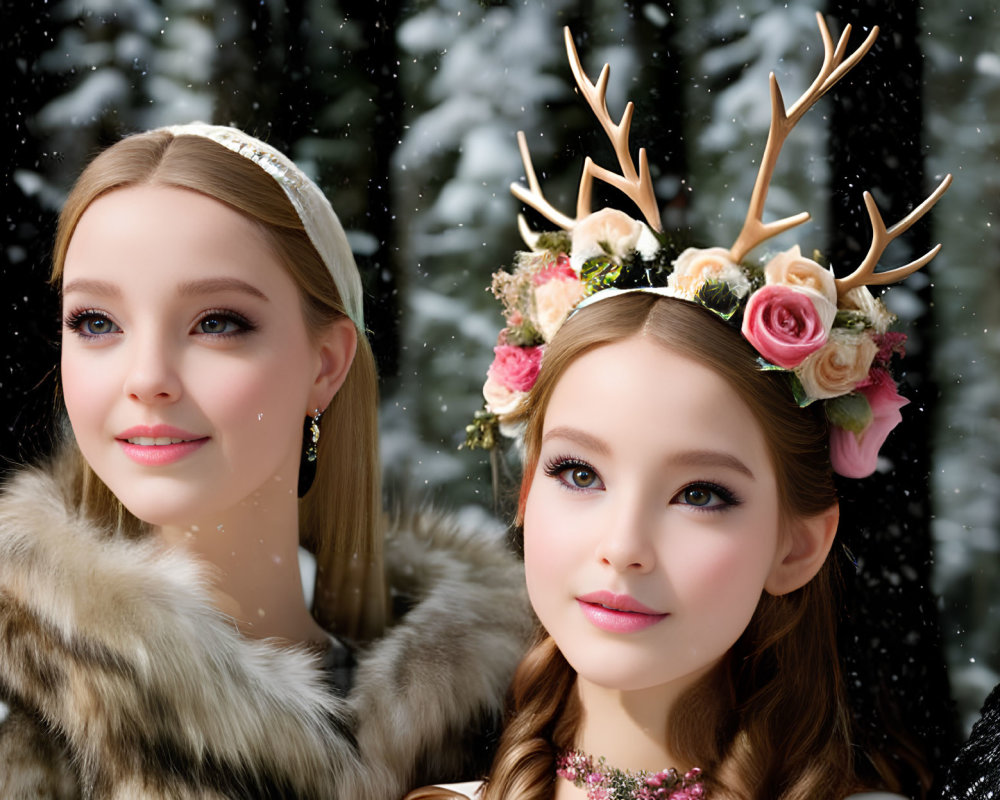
(617, 613)
(151, 454)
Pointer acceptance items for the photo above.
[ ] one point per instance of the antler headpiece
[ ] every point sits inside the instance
(830, 334)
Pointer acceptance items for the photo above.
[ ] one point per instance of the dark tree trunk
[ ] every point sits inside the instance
(891, 627)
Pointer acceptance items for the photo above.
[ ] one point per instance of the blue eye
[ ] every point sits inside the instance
(223, 323)
(90, 324)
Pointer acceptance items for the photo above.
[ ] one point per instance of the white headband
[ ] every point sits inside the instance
(317, 215)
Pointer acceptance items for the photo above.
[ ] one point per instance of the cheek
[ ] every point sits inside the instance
(725, 575)
(264, 403)
(545, 551)
(87, 400)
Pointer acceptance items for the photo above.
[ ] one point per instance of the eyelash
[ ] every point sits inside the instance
(244, 325)
(728, 498)
(76, 320)
(555, 467)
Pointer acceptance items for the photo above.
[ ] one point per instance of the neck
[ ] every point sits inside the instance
(252, 552)
(628, 728)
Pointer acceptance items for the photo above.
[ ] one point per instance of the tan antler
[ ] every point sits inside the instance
(636, 185)
(755, 230)
(865, 274)
(533, 195)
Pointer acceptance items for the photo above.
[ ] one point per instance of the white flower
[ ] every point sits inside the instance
(607, 232)
(695, 266)
(861, 299)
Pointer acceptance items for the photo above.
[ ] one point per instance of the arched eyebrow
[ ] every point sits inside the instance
(212, 285)
(89, 286)
(186, 289)
(580, 437)
(711, 458)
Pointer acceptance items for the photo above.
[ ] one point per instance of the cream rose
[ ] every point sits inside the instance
(501, 400)
(606, 232)
(791, 269)
(554, 300)
(861, 299)
(695, 266)
(839, 366)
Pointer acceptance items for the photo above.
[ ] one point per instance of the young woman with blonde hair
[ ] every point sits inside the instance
(155, 636)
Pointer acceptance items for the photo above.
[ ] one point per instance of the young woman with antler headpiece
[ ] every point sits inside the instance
(681, 415)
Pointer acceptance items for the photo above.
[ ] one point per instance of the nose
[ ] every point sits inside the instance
(151, 372)
(626, 543)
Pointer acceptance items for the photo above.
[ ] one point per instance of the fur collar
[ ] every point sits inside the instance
(113, 650)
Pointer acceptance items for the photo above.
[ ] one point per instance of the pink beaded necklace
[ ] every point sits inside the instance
(609, 783)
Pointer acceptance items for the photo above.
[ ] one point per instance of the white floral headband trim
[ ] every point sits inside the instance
(314, 209)
(830, 335)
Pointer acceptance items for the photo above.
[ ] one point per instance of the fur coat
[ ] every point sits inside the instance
(123, 681)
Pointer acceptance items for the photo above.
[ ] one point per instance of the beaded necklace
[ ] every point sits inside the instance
(609, 783)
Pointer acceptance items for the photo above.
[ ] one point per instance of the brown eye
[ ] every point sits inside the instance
(581, 477)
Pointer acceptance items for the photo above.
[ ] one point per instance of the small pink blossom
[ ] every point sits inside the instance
(559, 269)
(855, 455)
(785, 324)
(890, 344)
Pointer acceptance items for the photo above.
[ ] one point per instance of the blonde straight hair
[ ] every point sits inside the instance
(340, 519)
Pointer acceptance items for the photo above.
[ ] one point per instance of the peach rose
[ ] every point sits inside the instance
(791, 269)
(607, 232)
(855, 455)
(839, 365)
(554, 300)
(785, 324)
(695, 266)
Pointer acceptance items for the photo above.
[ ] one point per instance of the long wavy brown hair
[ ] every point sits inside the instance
(772, 721)
(340, 519)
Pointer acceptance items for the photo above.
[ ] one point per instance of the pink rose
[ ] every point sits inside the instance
(515, 367)
(855, 455)
(785, 324)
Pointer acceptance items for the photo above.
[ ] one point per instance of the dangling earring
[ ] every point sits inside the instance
(310, 451)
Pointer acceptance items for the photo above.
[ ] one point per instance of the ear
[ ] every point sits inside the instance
(336, 347)
(806, 544)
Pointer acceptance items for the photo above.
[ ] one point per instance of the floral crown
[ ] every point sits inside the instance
(830, 335)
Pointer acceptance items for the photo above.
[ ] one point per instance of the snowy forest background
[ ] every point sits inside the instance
(405, 113)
